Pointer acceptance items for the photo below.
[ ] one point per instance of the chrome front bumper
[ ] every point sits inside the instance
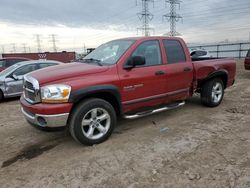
(55, 120)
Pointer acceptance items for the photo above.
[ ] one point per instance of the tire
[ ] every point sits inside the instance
(212, 92)
(1, 96)
(92, 121)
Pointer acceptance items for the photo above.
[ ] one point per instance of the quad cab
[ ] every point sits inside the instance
(130, 77)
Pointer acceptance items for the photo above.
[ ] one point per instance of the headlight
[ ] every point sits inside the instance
(57, 93)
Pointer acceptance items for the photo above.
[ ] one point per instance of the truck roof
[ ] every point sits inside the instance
(149, 37)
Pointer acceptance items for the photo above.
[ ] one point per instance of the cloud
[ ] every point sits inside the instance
(92, 22)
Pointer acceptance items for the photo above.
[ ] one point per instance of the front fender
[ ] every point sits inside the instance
(80, 94)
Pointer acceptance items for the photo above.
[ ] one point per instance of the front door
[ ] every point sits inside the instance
(144, 85)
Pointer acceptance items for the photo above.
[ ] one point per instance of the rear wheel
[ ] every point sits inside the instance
(212, 92)
(92, 121)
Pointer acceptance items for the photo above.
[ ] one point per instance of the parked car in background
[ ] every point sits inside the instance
(9, 61)
(11, 79)
(247, 60)
(199, 53)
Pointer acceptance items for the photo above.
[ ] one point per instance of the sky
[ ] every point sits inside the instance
(88, 23)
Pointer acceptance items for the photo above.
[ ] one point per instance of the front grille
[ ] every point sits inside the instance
(31, 90)
(29, 85)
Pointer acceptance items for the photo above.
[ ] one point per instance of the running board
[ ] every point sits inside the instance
(146, 113)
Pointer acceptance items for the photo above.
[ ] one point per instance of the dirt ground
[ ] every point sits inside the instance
(193, 146)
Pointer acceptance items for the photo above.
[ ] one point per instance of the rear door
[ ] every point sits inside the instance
(179, 70)
(144, 85)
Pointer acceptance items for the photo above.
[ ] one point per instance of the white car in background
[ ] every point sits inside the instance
(199, 53)
(11, 79)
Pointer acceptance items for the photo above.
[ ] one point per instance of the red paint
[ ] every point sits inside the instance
(247, 62)
(65, 57)
(46, 109)
(151, 90)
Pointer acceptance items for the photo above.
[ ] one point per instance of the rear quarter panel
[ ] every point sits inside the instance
(205, 68)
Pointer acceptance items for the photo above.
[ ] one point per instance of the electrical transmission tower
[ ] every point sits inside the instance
(145, 16)
(24, 48)
(3, 50)
(14, 47)
(173, 17)
(53, 41)
(38, 42)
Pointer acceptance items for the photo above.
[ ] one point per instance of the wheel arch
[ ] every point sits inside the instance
(108, 93)
(222, 74)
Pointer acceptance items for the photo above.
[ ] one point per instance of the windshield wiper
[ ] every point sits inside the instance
(92, 60)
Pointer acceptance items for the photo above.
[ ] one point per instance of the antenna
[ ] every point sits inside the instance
(173, 17)
(145, 16)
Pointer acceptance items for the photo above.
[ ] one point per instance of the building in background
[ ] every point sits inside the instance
(63, 56)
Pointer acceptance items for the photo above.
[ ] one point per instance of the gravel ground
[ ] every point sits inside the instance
(193, 146)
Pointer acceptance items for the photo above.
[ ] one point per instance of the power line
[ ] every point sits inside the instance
(173, 17)
(145, 16)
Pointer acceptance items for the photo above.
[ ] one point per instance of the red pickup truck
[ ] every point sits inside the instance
(247, 60)
(130, 77)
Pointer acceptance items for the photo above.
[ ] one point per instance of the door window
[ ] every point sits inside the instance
(2, 63)
(174, 51)
(25, 69)
(43, 65)
(11, 62)
(151, 51)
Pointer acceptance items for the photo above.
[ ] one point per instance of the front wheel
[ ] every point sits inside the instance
(92, 121)
(212, 92)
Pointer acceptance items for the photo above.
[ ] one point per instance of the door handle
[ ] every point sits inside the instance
(187, 69)
(158, 73)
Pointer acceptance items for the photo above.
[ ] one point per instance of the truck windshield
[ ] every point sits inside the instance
(108, 53)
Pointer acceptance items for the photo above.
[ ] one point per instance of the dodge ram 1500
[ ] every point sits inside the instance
(130, 77)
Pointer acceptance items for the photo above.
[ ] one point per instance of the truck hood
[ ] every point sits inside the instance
(65, 71)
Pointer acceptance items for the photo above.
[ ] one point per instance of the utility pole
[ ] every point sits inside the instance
(38, 42)
(3, 50)
(53, 41)
(24, 47)
(173, 17)
(145, 16)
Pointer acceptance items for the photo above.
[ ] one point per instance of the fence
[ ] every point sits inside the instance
(237, 50)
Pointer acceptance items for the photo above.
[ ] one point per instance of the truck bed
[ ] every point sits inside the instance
(205, 67)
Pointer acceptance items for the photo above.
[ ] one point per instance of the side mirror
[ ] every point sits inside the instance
(15, 77)
(134, 61)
